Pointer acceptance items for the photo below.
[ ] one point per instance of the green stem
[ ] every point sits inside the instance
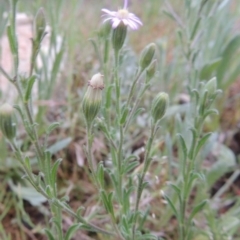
(91, 165)
(146, 161)
(117, 82)
(130, 95)
(89, 154)
(39, 189)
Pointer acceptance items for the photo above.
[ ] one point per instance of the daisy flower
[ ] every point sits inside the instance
(122, 16)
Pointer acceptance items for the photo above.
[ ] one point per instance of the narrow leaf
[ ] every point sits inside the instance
(30, 83)
(202, 142)
(71, 230)
(49, 234)
(197, 209)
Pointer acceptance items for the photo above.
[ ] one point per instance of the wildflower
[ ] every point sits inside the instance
(7, 121)
(92, 98)
(159, 106)
(122, 16)
(147, 55)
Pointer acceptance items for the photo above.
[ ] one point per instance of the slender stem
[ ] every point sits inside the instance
(51, 201)
(146, 161)
(89, 154)
(120, 145)
(117, 82)
(130, 95)
(119, 158)
(35, 141)
(133, 110)
(93, 171)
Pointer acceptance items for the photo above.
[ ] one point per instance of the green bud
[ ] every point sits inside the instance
(39, 25)
(118, 36)
(7, 121)
(211, 87)
(147, 55)
(159, 106)
(105, 30)
(151, 69)
(93, 97)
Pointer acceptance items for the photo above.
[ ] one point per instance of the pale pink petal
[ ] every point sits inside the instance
(111, 13)
(115, 22)
(125, 21)
(107, 19)
(132, 25)
(136, 19)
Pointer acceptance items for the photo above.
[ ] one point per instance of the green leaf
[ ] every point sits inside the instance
(30, 83)
(52, 127)
(209, 68)
(28, 164)
(202, 142)
(230, 224)
(139, 110)
(130, 166)
(54, 171)
(55, 69)
(183, 146)
(105, 200)
(109, 96)
(195, 28)
(177, 190)
(125, 224)
(100, 174)
(12, 40)
(110, 203)
(28, 193)
(172, 206)
(57, 224)
(197, 209)
(228, 53)
(79, 211)
(148, 236)
(71, 230)
(49, 234)
(194, 140)
(49, 191)
(209, 112)
(124, 116)
(59, 145)
(225, 160)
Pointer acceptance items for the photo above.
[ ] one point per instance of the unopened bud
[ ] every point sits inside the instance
(118, 36)
(159, 106)
(147, 55)
(7, 121)
(39, 25)
(151, 69)
(211, 87)
(93, 98)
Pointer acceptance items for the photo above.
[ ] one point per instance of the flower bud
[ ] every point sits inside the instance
(7, 121)
(151, 69)
(39, 25)
(118, 36)
(147, 55)
(92, 98)
(159, 106)
(211, 87)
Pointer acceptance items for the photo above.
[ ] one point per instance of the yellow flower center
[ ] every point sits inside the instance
(123, 13)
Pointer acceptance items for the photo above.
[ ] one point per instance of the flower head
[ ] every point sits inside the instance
(92, 99)
(122, 16)
(7, 121)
